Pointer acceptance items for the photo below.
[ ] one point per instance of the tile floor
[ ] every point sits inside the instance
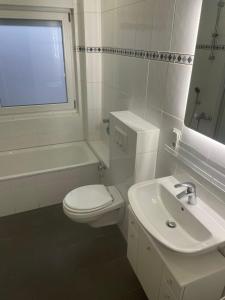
(45, 256)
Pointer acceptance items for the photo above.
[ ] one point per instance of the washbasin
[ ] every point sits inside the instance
(181, 227)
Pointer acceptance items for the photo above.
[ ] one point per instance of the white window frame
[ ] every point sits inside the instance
(63, 17)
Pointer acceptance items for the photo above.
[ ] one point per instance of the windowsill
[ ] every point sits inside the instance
(47, 114)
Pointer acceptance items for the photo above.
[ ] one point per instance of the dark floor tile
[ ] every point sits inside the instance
(135, 295)
(115, 279)
(46, 256)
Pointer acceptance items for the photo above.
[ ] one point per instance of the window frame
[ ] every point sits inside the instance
(67, 36)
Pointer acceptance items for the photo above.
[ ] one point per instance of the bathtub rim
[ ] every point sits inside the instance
(92, 161)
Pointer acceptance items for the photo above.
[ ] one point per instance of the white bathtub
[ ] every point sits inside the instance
(37, 177)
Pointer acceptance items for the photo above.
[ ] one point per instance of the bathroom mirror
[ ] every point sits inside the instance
(205, 111)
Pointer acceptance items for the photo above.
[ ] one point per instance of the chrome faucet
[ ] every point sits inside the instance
(190, 192)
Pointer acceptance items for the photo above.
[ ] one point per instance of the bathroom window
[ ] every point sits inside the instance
(36, 62)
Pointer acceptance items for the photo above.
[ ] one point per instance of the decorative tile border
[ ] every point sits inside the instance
(210, 47)
(172, 57)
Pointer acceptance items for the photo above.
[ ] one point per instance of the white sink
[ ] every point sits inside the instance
(198, 227)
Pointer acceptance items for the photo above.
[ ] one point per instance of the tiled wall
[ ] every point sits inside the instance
(153, 89)
(152, 86)
(88, 19)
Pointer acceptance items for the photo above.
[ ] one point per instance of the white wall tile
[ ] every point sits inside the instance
(153, 25)
(138, 83)
(92, 29)
(113, 100)
(108, 4)
(94, 124)
(147, 141)
(93, 67)
(94, 91)
(144, 24)
(156, 90)
(79, 29)
(145, 166)
(92, 6)
(107, 69)
(27, 132)
(153, 115)
(108, 32)
(125, 2)
(126, 21)
(122, 73)
(187, 16)
(163, 11)
(166, 164)
(177, 88)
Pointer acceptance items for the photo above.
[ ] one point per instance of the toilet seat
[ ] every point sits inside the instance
(88, 199)
(95, 205)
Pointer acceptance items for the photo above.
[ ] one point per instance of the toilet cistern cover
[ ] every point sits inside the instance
(87, 198)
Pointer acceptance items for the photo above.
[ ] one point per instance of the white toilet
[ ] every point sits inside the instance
(95, 205)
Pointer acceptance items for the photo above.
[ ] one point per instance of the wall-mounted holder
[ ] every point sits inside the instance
(106, 121)
(176, 138)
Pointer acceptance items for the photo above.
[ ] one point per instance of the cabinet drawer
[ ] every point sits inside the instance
(166, 293)
(172, 284)
(149, 267)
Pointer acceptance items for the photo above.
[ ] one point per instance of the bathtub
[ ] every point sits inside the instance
(42, 176)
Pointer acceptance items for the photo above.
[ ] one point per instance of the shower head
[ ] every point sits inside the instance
(221, 3)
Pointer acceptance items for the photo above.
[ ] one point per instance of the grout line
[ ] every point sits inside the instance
(173, 22)
(146, 88)
(120, 6)
(172, 116)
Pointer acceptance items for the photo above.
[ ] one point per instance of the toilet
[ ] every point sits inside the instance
(96, 205)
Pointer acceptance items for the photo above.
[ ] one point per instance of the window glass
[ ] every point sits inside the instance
(32, 68)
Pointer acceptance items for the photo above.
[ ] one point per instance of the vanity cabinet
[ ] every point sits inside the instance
(133, 237)
(166, 275)
(149, 266)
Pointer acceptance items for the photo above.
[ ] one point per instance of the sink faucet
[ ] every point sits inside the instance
(190, 192)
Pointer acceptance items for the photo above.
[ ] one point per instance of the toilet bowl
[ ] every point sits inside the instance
(96, 205)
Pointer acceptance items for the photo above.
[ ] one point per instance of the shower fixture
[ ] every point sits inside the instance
(215, 34)
(202, 116)
(197, 102)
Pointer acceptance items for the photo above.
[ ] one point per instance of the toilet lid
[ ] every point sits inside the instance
(88, 198)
